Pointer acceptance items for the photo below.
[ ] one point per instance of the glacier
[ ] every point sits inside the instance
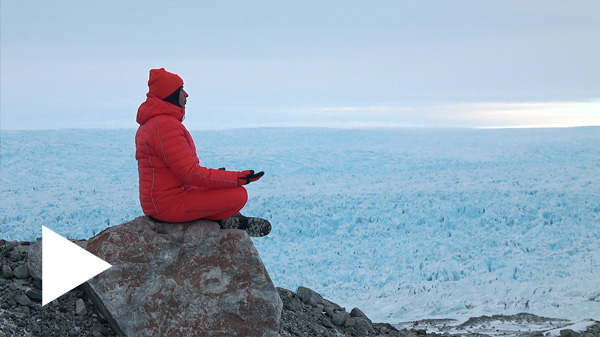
(406, 224)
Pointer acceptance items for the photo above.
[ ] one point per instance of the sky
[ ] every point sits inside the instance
(331, 63)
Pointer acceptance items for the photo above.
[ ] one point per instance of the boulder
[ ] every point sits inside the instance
(314, 299)
(356, 312)
(80, 309)
(184, 279)
(340, 317)
(21, 272)
(34, 258)
(7, 272)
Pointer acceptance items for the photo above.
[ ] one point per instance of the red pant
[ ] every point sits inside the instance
(213, 204)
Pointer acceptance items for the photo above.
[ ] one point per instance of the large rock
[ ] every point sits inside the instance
(34, 259)
(187, 279)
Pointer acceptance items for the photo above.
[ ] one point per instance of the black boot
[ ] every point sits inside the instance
(255, 227)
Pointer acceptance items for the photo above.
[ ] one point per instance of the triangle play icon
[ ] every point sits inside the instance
(65, 265)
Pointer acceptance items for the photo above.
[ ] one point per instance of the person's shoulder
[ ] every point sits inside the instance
(168, 125)
(168, 120)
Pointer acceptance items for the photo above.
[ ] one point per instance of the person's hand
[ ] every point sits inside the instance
(248, 176)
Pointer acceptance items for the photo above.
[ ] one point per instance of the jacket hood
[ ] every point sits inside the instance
(154, 106)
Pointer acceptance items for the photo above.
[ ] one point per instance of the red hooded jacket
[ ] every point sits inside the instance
(167, 161)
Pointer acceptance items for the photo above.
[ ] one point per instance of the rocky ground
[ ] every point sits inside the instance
(21, 312)
(305, 312)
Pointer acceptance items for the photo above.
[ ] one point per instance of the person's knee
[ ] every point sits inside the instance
(239, 198)
(241, 195)
(236, 200)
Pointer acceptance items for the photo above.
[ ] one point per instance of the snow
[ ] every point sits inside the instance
(406, 224)
(498, 326)
(577, 327)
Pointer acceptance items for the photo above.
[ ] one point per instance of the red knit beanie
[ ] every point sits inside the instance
(163, 83)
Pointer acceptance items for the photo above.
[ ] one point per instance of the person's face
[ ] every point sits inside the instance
(182, 98)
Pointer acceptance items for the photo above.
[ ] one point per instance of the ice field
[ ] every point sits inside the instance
(404, 223)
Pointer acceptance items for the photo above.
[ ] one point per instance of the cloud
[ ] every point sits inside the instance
(471, 115)
(526, 114)
(456, 115)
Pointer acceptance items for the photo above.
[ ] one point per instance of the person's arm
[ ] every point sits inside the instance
(183, 161)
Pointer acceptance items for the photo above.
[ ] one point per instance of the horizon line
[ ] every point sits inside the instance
(365, 127)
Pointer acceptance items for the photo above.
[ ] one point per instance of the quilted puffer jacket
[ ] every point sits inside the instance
(167, 161)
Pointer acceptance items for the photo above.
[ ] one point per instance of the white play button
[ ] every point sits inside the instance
(65, 265)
